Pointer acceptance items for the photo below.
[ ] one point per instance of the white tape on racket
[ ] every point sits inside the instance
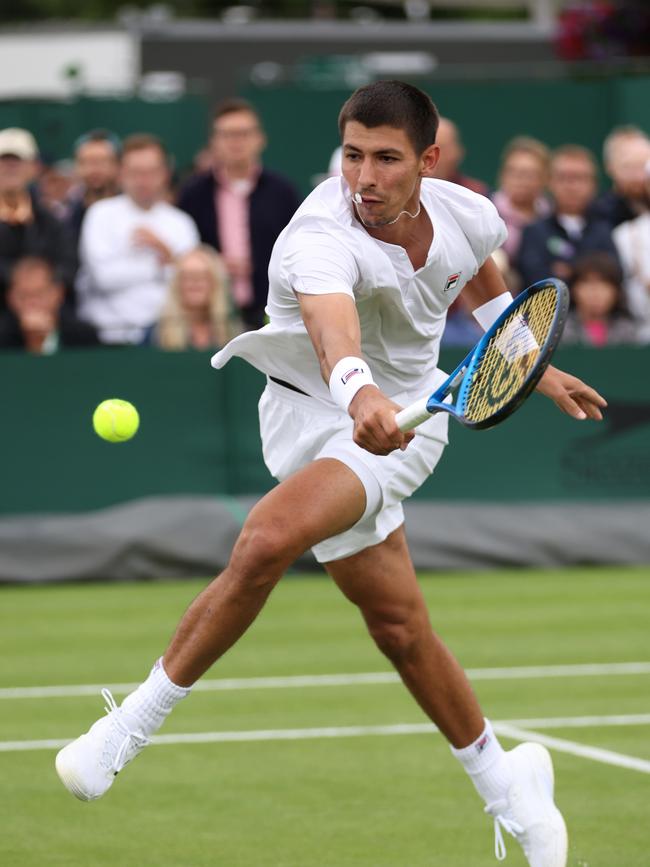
(516, 339)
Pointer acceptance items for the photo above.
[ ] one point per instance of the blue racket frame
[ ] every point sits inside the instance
(462, 376)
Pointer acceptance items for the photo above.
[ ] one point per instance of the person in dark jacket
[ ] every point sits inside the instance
(36, 319)
(26, 227)
(550, 246)
(97, 165)
(239, 206)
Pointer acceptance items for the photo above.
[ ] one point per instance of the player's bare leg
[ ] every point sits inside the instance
(321, 500)
(516, 786)
(381, 581)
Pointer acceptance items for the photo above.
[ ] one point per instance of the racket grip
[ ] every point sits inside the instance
(413, 415)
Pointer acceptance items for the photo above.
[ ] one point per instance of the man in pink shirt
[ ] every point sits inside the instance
(239, 206)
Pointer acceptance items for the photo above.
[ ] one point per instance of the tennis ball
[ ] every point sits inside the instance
(116, 420)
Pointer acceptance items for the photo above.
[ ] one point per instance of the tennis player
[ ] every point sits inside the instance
(360, 281)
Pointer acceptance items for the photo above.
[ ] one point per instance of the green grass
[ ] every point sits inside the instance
(398, 801)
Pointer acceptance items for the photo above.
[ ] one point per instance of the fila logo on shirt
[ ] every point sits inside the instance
(452, 280)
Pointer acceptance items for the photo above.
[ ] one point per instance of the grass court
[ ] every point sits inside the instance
(274, 764)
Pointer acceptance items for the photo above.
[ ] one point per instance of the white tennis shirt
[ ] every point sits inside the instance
(402, 311)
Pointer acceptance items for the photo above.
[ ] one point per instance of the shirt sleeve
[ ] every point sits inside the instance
(477, 217)
(316, 262)
(489, 231)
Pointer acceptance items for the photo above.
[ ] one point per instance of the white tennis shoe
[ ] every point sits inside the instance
(528, 811)
(88, 765)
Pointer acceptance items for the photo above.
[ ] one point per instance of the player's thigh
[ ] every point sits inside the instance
(318, 501)
(381, 580)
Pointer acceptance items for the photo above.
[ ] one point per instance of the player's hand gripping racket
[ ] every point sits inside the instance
(504, 366)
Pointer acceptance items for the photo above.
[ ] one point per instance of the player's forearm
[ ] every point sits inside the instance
(333, 326)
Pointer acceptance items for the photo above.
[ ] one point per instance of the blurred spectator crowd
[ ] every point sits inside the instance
(104, 249)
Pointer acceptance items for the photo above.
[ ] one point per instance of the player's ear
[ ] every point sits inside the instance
(429, 160)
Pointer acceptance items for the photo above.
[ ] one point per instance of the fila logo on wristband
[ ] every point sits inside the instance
(347, 377)
(350, 373)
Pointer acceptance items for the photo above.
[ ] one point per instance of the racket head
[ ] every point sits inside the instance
(500, 374)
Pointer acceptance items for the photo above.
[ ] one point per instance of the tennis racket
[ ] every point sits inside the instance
(504, 367)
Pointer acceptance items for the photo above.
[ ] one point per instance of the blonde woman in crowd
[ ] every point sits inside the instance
(197, 313)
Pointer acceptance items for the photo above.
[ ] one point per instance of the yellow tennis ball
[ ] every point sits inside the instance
(116, 420)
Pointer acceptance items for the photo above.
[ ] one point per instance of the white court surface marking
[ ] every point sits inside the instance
(302, 681)
(520, 730)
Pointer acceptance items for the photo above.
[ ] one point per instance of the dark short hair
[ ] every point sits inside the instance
(99, 135)
(396, 104)
(143, 141)
(231, 106)
(605, 266)
(35, 263)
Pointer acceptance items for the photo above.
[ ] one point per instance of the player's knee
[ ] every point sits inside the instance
(261, 554)
(395, 634)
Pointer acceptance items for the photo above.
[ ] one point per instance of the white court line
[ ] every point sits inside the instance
(596, 754)
(516, 729)
(300, 681)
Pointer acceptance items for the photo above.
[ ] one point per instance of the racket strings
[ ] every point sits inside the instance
(510, 356)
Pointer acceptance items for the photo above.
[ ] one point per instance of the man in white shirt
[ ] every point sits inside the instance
(128, 244)
(359, 284)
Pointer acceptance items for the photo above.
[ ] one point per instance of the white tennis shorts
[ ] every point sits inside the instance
(296, 430)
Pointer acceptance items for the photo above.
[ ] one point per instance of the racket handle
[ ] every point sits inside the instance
(413, 415)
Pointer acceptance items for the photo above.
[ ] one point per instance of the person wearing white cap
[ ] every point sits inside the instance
(27, 228)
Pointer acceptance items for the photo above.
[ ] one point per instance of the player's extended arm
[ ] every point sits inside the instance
(569, 393)
(333, 326)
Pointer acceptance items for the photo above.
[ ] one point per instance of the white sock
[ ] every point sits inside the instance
(152, 702)
(487, 765)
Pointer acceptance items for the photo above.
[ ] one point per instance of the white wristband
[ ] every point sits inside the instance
(489, 312)
(347, 377)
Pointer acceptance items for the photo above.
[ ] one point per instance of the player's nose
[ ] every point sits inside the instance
(366, 175)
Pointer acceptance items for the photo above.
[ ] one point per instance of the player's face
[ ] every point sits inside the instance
(381, 165)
